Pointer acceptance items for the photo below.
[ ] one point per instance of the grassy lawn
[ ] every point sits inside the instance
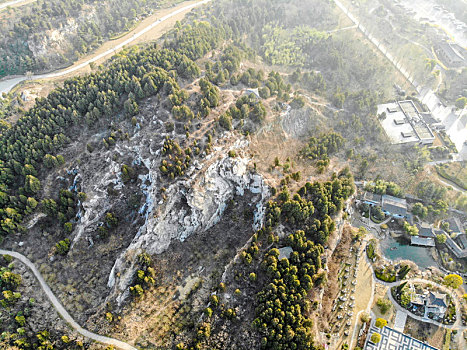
(455, 172)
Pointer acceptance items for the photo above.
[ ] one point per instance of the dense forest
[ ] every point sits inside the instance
(130, 76)
(49, 34)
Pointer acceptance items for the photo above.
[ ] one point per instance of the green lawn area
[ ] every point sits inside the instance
(455, 172)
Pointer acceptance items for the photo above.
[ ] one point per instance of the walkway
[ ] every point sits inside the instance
(342, 29)
(370, 302)
(61, 310)
(456, 326)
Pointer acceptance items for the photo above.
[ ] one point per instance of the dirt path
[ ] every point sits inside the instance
(365, 280)
(61, 310)
(451, 184)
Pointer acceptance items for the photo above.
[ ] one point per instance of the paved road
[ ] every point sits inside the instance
(7, 85)
(61, 310)
(11, 3)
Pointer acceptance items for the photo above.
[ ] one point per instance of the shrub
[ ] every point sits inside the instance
(384, 305)
(63, 247)
(370, 249)
(381, 322)
(364, 317)
(252, 276)
(375, 338)
(385, 276)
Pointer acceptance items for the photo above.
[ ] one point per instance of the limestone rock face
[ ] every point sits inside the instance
(193, 205)
(49, 44)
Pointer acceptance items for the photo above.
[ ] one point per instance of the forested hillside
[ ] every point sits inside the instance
(49, 34)
(155, 132)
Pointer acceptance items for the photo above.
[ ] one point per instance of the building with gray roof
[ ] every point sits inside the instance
(425, 230)
(450, 54)
(393, 206)
(404, 124)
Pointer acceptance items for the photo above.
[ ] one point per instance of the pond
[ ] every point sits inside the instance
(400, 249)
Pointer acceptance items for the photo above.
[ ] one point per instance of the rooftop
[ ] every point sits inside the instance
(422, 241)
(372, 197)
(454, 246)
(393, 127)
(285, 252)
(461, 240)
(454, 224)
(436, 299)
(451, 51)
(425, 230)
(404, 124)
(394, 205)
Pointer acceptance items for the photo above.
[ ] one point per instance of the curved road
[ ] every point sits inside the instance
(7, 85)
(61, 310)
(11, 3)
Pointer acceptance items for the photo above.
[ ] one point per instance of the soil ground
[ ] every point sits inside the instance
(426, 332)
(381, 292)
(187, 273)
(344, 258)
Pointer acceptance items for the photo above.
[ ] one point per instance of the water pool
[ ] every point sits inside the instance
(400, 249)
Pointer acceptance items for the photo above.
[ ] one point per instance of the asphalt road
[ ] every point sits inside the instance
(7, 85)
(10, 3)
(61, 310)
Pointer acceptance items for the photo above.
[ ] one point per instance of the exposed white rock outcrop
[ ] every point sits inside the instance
(192, 206)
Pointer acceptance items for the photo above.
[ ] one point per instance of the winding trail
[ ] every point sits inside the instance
(451, 184)
(61, 310)
(7, 85)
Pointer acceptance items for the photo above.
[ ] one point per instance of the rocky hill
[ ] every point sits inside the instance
(47, 35)
(156, 194)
